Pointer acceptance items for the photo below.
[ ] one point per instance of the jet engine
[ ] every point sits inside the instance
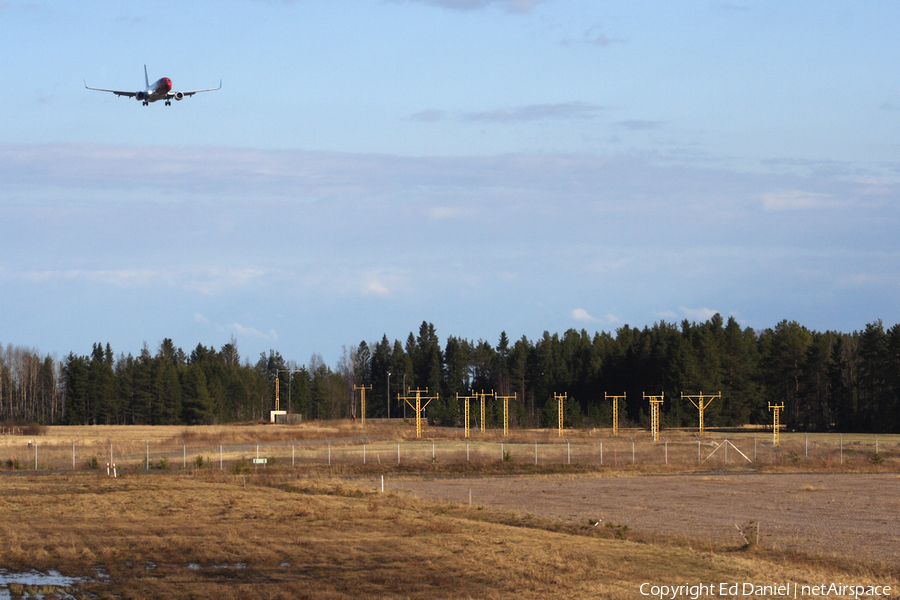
(179, 95)
(140, 96)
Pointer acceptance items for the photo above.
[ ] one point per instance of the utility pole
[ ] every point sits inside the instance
(655, 401)
(482, 395)
(290, 373)
(465, 399)
(700, 404)
(506, 400)
(277, 391)
(560, 398)
(419, 406)
(362, 407)
(615, 411)
(776, 425)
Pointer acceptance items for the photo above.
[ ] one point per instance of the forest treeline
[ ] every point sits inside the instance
(826, 380)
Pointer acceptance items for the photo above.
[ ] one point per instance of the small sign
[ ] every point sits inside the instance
(260, 461)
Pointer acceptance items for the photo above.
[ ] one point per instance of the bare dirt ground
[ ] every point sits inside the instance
(847, 516)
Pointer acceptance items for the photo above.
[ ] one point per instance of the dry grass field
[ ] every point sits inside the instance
(319, 531)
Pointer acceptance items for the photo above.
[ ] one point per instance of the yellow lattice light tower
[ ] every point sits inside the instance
(506, 400)
(776, 425)
(701, 403)
(615, 410)
(277, 390)
(466, 412)
(362, 404)
(482, 396)
(655, 401)
(419, 407)
(560, 398)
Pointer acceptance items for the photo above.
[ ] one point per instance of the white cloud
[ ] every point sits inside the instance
(795, 200)
(375, 288)
(200, 318)
(255, 333)
(214, 280)
(579, 314)
(698, 314)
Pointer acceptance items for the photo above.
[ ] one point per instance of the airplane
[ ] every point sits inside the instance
(160, 90)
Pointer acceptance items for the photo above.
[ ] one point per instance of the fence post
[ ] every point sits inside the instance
(35, 454)
(398, 452)
(568, 452)
(73, 456)
(184, 455)
(601, 451)
(632, 450)
(807, 445)
(221, 466)
(842, 447)
(148, 454)
(535, 450)
(467, 450)
(110, 452)
(364, 454)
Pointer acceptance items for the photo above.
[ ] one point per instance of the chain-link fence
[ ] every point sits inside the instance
(680, 451)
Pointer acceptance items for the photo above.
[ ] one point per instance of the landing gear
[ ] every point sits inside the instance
(168, 103)
(146, 103)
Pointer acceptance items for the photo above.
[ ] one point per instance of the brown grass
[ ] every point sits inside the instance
(279, 536)
(577, 451)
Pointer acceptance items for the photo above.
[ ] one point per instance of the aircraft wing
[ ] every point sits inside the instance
(116, 92)
(192, 92)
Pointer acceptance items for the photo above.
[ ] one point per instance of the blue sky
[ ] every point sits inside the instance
(484, 165)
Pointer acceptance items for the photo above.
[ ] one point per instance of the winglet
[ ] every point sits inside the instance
(146, 78)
